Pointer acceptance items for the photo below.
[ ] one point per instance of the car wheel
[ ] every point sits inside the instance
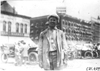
(88, 54)
(95, 54)
(4, 58)
(32, 57)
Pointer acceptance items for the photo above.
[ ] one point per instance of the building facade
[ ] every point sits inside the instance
(38, 24)
(76, 29)
(13, 27)
(96, 30)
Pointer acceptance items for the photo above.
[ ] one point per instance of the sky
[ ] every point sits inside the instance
(83, 9)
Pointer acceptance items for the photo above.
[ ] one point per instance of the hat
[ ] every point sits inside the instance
(55, 16)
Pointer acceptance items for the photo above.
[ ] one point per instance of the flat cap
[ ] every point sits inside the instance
(55, 16)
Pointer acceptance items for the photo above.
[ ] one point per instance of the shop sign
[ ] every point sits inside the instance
(12, 34)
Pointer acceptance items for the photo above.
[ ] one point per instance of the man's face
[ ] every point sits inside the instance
(52, 22)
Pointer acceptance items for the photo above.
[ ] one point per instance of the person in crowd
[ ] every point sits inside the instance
(18, 54)
(52, 45)
(95, 46)
(98, 46)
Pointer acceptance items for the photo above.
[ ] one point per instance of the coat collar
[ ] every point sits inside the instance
(55, 28)
(46, 30)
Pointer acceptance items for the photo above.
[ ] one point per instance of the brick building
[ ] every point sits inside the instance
(38, 24)
(13, 27)
(95, 30)
(76, 29)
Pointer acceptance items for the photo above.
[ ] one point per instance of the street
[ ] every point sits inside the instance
(73, 65)
(50, 31)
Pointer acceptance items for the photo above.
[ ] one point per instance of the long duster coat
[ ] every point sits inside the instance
(43, 50)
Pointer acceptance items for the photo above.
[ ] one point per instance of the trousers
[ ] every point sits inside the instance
(53, 59)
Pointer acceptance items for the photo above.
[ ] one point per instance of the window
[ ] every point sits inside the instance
(63, 22)
(25, 28)
(32, 31)
(17, 27)
(4, 26)
(9, 26)
(21, 28)
(68, 23)
(36, 25)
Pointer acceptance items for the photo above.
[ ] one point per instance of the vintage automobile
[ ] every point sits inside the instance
(8, 51)
(82, 50)
(29, 53)
(88, 51)
(33, 54)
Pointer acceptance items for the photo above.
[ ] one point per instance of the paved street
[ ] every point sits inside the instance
(73, 65)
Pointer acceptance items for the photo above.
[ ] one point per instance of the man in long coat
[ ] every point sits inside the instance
(52, 43)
